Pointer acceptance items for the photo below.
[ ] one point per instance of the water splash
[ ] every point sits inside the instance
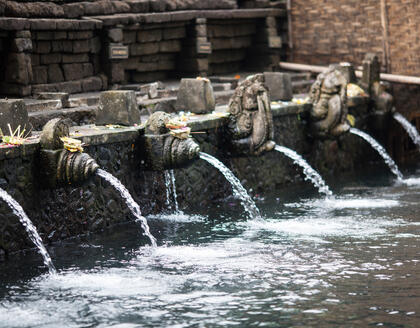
(238, 190)
(411, 129)
(388, 160)
(132, 205)
(30, 229)
(310, 173)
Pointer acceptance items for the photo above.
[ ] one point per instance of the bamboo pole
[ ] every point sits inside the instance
(385, 41)
(405, 79)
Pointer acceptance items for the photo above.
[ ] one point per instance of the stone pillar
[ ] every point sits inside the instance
(115, 53)
(196, 49)
(18, 67)
(371, 71)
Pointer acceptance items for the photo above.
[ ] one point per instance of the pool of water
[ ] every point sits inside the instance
(352, 260)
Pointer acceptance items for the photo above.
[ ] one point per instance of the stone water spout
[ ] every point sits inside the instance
(250, 130)
(165, 148)
(61, 166)
(328, 95)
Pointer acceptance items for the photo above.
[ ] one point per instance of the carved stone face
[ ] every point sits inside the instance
(251, 122)
(329, 104)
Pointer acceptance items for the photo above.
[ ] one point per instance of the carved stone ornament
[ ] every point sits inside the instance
(251, 121)
(328, 95)
(163, 150)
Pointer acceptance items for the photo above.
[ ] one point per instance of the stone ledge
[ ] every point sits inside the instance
(17, 24)
(176, 16)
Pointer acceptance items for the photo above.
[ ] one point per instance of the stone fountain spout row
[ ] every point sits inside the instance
(59, 165)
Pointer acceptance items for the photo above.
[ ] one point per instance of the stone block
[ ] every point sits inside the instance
(55, 74)
(279, 85)
(57, 46)
(44, 35)
(73, 71)
(53, 58)
(40, 74)
(149, 35)
(170, 46)
(174, 33)
(116, 73)
(115, 35)
(60, 35)
(23, 34)
(21, 45)
(81, 46)
(42, 47)
(117, 107)
(129, 37)
(144, 49)
(73, 10)
(75, 58)
(15, 89)
(87, 69)
(70, 86)
(35, 60)
(138, 6)
(196, 96)
(67, 46)
(93, 83)
(19, 68)
(95, 45)
(13, 112)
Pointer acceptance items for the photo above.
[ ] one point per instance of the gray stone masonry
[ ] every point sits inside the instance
(196, 96)
(13, 112)
(117, 107)
(279, 85)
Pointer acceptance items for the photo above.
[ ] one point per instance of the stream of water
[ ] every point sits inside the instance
(238, 190)
(132, 205)
(30, 229)
(348, 261)
(381, 150)
(309, 172)
(411, 129)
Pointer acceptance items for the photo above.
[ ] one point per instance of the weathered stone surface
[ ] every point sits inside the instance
(75, 58)
(117, 107)
(38, 9)
(81, 46)
(55, 74)
(174, 33)
(115, 35)
(70, 86)
(19, 68)
(196, 96)
(73, 71)
(62, 96)
(170, 46)
(138, 6)
(93, 83)
(279, 85)
(73, 10)
(21, 45)
(149, 35)
(144, 49)
(40, 74)
(95, 45)
(53, 58)
(13, 112)
(42, 47)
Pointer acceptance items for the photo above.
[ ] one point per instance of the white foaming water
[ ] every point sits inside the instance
(411, 181)
(411, 129)
(168, 188)
(132, 205)
(388, 160)
(238, 190)
(336, 203)
(310, 173)
(178, 217)
(320, 227)
(30, 229)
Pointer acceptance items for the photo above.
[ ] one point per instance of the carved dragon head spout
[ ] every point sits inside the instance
(61, 158)
(250, 128)
(328, 95)
(166, 146)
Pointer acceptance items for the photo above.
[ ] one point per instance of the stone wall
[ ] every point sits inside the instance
(66, 61)
(153, 51)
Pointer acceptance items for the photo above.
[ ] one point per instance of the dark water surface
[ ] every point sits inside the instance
(349, 261)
